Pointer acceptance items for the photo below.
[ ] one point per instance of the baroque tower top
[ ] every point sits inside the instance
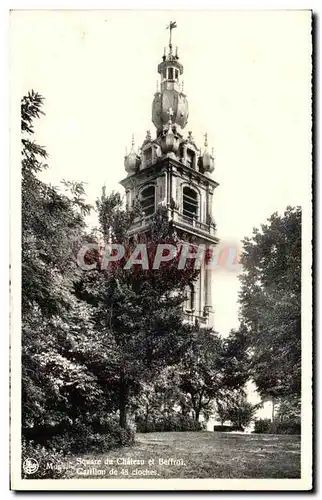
(170, 171)
(171, 98)
(170, 116)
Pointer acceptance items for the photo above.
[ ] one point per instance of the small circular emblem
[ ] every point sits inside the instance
(30, 466)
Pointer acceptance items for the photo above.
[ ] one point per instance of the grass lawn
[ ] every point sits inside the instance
(200, 455)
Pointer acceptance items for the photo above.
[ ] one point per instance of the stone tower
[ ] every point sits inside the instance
(169, 169)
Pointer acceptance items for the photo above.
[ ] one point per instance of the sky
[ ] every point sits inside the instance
(247, 76)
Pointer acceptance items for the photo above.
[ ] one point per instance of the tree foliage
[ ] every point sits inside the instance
(210, 367)
(90, 338)
(57, 331)
(270, 303)
(95, 342)
(137, 309)
(289, 408)
(234, 407)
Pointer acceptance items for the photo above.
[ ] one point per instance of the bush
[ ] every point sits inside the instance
(101, 435)
(262, 426)
(175, 423)
(109, 426)
(54, 455)
(226, 428)
(289, 426)
(50, 461)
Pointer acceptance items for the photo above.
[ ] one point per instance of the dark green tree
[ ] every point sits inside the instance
(289, 408)
(235, 408)
(136, 310)
(270, 303)
(57, 332)
(159, 399)
(210, 367)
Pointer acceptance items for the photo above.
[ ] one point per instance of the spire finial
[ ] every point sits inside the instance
(133, 141)
(171, 26)
(212, 151)
(206, 139)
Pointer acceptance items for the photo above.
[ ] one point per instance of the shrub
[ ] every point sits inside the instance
(226, 428)
(262, 426)
(55, 454)
(175, 422)
(55, 449)
(109, 426)
(50, 461)
(102, 435)
(289, 426)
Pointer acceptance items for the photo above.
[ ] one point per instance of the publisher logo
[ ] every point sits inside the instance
(30, 466)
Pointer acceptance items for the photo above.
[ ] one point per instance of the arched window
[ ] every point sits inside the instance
(147, 200)
(190, 202)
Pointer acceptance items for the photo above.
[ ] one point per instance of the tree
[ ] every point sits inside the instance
(158, 399)
(58, 340)
(236, 359)
(210, 366)
(289, 408)
(201, 371)
(235, 408)
(222, 408)
(136, 310)
(270, 303)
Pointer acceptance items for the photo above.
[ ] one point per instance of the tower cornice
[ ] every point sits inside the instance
(177, 168)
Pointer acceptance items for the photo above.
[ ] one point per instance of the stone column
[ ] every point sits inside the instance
(200, 291)
(210, 200)
(209, 276)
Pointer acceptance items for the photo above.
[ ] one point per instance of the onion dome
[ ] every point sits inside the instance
(131, 160)
(212, 163)
(165, 100)
(207, 159)
(169, 141)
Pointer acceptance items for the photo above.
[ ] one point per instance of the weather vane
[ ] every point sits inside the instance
(171, 26)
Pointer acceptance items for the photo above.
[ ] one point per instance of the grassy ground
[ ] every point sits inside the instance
(199, 455)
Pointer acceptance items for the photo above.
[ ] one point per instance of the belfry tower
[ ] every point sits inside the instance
(169, 169)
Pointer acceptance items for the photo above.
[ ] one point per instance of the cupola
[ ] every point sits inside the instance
(131, 160)
(207, 158)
